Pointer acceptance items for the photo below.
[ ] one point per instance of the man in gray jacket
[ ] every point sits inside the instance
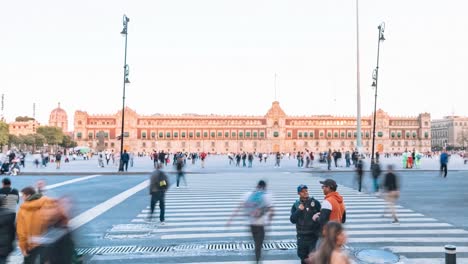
(159, 184)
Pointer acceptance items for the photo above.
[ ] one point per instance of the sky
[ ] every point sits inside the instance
(221, 57)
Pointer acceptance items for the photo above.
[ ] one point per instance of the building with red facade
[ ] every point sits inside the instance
(275, 131)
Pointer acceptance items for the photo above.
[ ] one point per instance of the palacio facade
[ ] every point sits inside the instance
(275, 131)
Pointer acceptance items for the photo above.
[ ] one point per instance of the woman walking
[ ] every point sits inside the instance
(329, 252)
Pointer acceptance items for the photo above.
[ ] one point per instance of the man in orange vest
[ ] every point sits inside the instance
(333, 207)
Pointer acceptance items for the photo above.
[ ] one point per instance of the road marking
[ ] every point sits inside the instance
(104, 206)
(52, 186)
(277, 221)
(433, 261)
(248, 262)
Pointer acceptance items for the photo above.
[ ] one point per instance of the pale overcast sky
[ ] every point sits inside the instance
(216, 56)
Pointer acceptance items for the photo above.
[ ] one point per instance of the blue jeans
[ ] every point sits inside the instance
(155, 197)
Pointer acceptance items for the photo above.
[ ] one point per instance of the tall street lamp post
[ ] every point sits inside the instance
(375, 76)
(124, 33)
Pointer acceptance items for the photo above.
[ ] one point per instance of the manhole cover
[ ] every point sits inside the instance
(377, 256)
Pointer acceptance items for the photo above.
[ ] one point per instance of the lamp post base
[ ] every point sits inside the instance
(121, 166)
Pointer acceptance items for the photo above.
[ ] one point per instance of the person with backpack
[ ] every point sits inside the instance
(258, 207)
(308, 230)
(159, 183)
(11, 195)
(7, 230)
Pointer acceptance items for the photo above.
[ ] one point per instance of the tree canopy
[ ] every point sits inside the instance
(23, 118)
(4, 132)
(53, 135)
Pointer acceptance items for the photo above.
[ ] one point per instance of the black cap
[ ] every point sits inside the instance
(329, 183)
(6, 181)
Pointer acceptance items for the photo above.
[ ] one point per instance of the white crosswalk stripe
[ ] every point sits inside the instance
(199, 214)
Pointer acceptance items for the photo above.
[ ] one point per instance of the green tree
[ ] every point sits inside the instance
(4, 132)
(67, 142)
(23, 118)
(14, 140)
(28, 140)
(53, 135)
(39, 140)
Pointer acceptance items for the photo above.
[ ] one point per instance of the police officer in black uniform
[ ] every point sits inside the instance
(308, 231)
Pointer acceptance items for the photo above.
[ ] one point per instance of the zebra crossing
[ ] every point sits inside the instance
(196, 218)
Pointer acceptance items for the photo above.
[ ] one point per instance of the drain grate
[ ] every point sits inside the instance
(223, 247)
(239, 246)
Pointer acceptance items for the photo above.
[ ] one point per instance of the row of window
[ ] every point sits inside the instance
(198, 134)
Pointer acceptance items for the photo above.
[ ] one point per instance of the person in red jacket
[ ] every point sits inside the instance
(333, 207)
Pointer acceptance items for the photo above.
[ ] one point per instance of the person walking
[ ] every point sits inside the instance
(307, 230)
(124, 159)
(100, 160)
(159, 183)
(392, 191)
(58, 159)
(443, 163)
(7, 230)
(333, 207)
(376, 171)
(330, 250)
(11, 195)
(31, 223)
(278, 160)
(258, 207)
(329, 159)
(180, 171)
(359, 173)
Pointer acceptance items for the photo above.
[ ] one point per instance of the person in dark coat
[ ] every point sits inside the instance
(7, 231)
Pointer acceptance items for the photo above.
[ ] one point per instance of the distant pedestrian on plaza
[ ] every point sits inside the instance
(100, 160)
(124, 159)
(250, 158)
(359, 173)
(244, 157)
(307, 230)
(108, 157)
(58, 159)
(203, 157)
(159, 183)
(330, 249)
(11, 195)
(348, 159)
(329, 159)
(7, 230)
(376, 171)
(180, 171)
(278, 160)
(258, 207)
(333, 207)
(444, 158)
(392, 191)
(132, 156)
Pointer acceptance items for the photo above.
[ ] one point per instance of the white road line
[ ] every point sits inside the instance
(372, 216)
(99, 209)
(277, 221)
(185, 213)
(433, 261)
(168, 228)
(52, 186)
(248, 262)
(423, 249)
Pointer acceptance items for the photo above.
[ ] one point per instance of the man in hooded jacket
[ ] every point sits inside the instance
(333, 207)
(32, 223)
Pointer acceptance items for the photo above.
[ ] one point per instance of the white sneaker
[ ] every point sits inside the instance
(163, 223)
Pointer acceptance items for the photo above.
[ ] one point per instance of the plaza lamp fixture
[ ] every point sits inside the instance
(126, 81)
(375, 77)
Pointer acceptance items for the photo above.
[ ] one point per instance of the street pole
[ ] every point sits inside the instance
(375, 76)
(125, 81)
(358, 84)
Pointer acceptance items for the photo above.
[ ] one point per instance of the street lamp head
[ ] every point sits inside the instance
(382, 38)
(125, 24)
(127, 81)
(374, 84)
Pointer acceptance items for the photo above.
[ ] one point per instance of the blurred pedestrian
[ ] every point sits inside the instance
(159, 183)
(443, 163)
(359, 173)
(376, 171)
(259, 209)
(11, 195)
(31, 224)
(180, 171)
(7, 230)
(392, 191)
(330, 250)
(307, 230)
(124, 159)
(58, 159)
